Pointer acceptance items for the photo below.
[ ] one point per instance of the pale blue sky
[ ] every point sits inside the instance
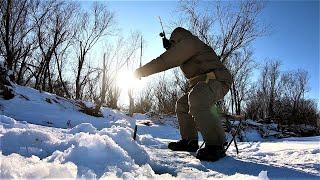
(294, 38)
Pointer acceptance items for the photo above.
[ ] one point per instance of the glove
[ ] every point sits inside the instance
(138, 73)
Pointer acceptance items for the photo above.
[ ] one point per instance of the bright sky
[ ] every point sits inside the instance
(294, 39)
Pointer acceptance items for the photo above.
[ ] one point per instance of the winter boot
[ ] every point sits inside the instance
(211, 153)
(184, 145)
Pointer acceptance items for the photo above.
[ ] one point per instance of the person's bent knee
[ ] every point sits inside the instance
(196, 105)
(194, 110)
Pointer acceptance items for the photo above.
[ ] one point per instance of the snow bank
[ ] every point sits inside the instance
(50, 110)
(8, 122)
(93, 152)
(15, 166)
(251, 135)
(83, 127)
(123, 137)
(28, 142)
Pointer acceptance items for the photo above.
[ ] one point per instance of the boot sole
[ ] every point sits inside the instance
(211, 159)
(184, 150)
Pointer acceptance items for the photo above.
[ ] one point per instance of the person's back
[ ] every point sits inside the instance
(204, 59)
(192, 55)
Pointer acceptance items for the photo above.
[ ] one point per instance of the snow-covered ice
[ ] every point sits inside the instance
(103, 147)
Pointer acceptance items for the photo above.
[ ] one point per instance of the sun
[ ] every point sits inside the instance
(127, 81)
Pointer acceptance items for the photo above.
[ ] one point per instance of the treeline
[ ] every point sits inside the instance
(63, 48)
(281, 97)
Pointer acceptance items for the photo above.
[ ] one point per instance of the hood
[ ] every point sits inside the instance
(179, 34)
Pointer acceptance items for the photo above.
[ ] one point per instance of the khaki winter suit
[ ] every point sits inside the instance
(209, 82)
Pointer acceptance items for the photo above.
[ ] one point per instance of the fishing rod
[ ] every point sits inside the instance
(136, 126)
(165, 42)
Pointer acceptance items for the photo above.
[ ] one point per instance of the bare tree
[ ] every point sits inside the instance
(61, 61)
(53, 24)
(91, 90)
(181, 81)
(241, 66)
(131, 91)
(266, 93)
(117, 58)
(92, 27)
(102, 99)
(144, 101)
(294, 85)
(293, 107)
(166, 95)
(227, 27)
(14, 32)
(269, 79)
(112, 97)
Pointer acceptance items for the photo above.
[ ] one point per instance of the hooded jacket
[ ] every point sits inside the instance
(192, 55)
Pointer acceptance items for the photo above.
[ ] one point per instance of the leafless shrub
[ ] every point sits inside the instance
(144, 101)
(166, 95)
(282, 99)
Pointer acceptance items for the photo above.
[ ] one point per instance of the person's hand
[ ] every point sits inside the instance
(137, 74)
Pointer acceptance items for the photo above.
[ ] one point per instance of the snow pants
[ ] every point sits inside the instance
(196, 109)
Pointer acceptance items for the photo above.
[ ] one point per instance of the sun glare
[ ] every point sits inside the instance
(126, 81)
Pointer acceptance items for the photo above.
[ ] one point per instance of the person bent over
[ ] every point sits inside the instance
(209, 81)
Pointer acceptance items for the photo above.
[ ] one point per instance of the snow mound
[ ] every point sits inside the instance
(83, 127)
(263, 175)
(27, 142)
(123, 137)
(8, 122)
(93, 152)
(15, 166)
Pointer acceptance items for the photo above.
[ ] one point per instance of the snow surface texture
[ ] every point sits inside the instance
(103, 147)
(47, 152)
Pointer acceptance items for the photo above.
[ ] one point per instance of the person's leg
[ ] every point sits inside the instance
(188, 131)
(187, 125)
(201, 100)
